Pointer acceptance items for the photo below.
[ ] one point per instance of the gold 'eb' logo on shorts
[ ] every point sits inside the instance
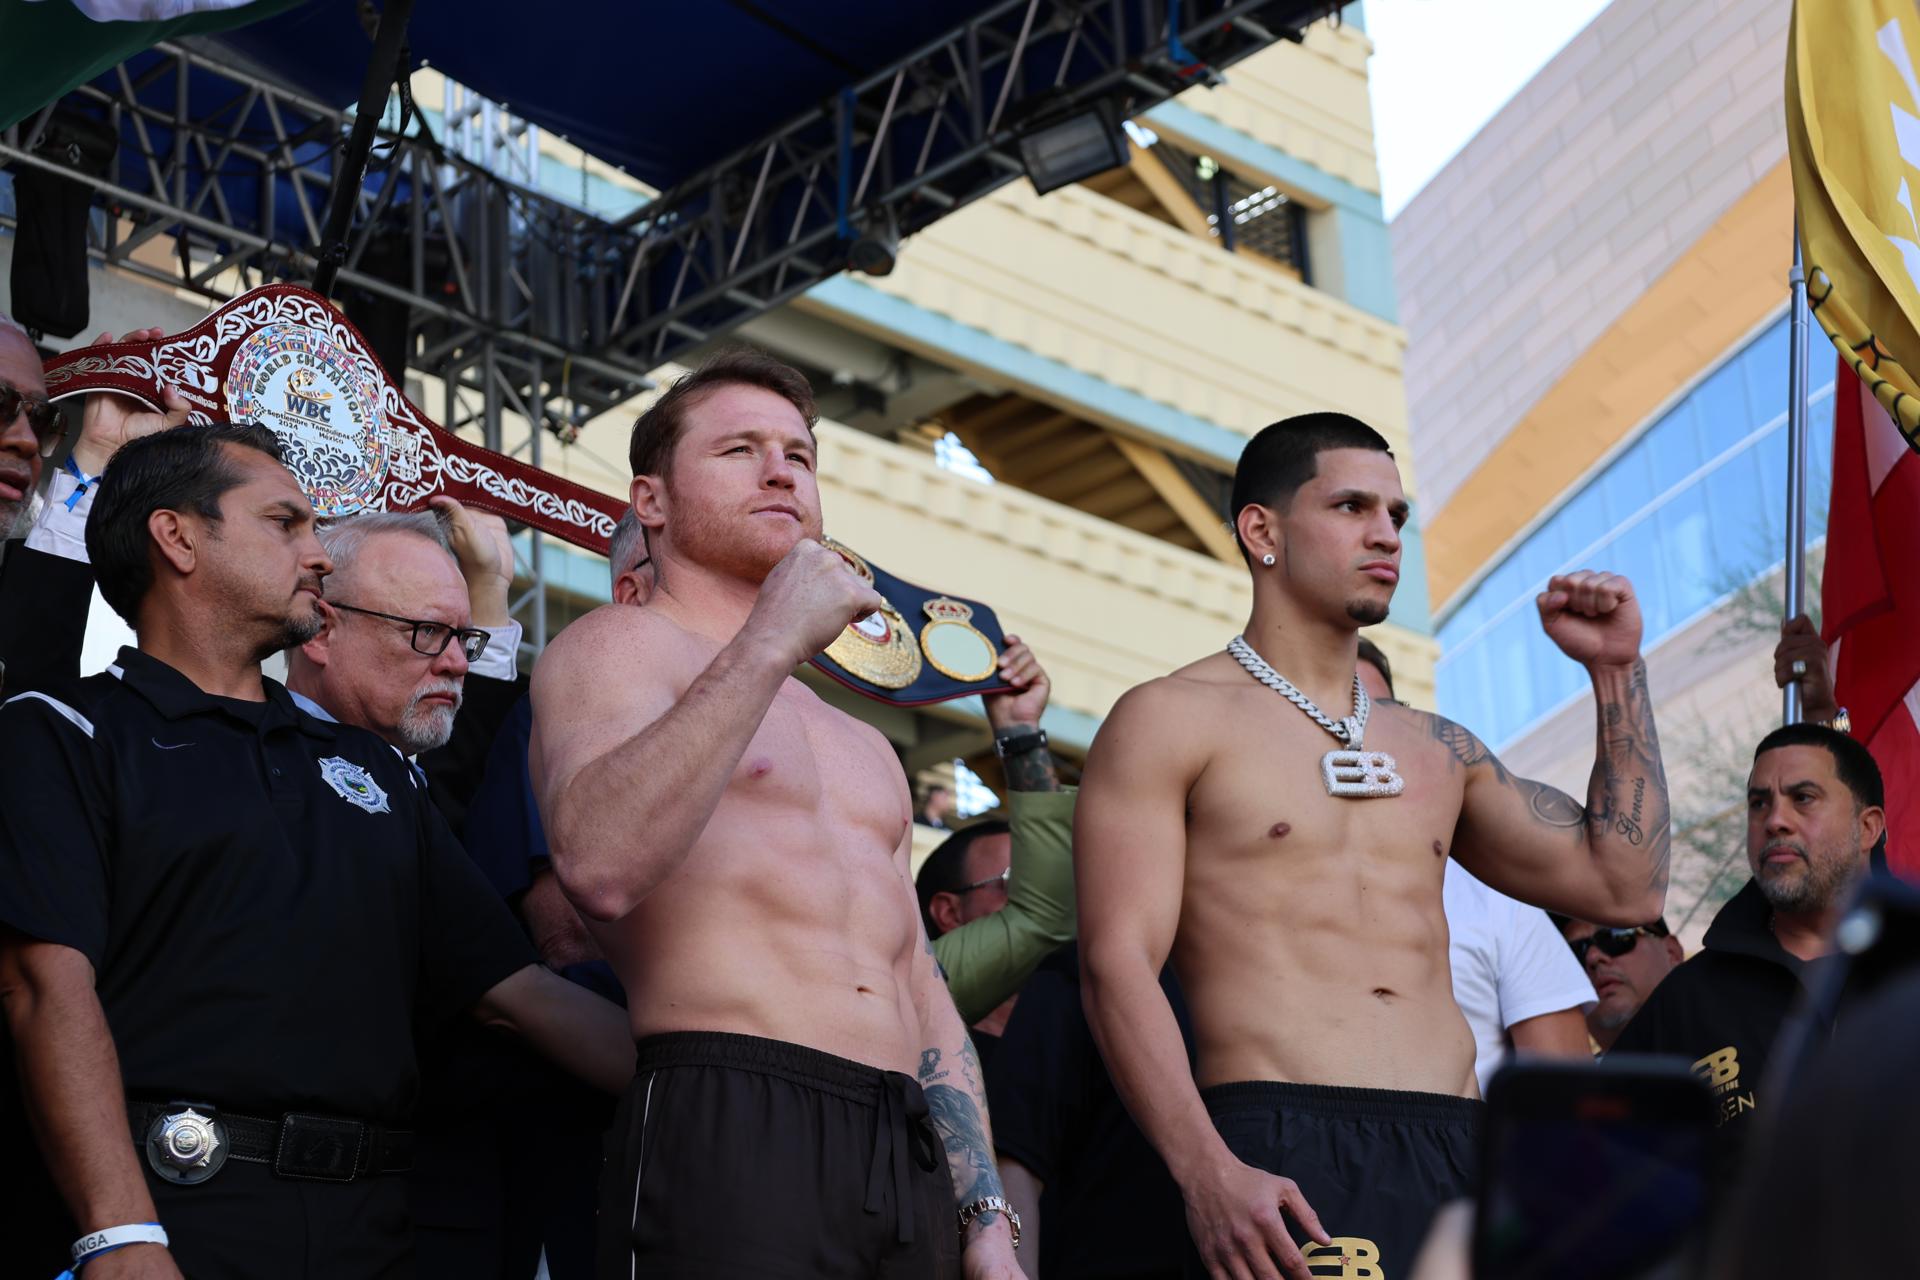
(1348, 1257)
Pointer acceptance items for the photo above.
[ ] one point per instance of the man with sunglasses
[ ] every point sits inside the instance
(1625, 965)
(46, 585)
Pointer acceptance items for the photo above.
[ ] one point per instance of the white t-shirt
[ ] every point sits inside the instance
(1509, 964)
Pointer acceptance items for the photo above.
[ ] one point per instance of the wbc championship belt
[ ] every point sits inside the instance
(920, 647)
(286, 358)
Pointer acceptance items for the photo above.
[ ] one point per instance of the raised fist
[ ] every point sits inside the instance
(1593, 617)
(809, 598)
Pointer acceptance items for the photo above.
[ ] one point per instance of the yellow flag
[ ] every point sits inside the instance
(1853, 139)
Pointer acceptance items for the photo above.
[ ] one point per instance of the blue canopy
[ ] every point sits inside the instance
(663, 90)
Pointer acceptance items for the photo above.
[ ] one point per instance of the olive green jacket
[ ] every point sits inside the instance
(989, 959)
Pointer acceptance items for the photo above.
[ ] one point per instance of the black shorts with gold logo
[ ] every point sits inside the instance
(1375, 1164)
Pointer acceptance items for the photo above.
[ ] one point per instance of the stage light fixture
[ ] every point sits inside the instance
(1068, 149)
(875, 250)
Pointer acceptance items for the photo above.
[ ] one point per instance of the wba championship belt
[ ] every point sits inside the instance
(285, 357)
(921, 647)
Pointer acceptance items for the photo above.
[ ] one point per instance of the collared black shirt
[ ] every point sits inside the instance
(271, 904)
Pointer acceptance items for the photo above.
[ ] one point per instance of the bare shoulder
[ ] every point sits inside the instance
(1461, 744)
(612, 636)
(1173, 715)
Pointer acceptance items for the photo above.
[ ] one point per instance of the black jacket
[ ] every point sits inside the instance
(43, 617)
(1723, 1010)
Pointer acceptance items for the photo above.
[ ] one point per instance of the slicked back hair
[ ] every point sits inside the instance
(658, 430)
(345, 538)
(1285, 455)
(1854, 764)
(945, 869)
(183, 469)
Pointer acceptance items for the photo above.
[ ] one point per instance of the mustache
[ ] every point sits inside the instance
(442, 688)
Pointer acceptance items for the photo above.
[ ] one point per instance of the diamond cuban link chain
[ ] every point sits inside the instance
(1355, 773)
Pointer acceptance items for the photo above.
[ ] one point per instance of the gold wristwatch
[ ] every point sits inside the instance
(1842, 722)
(990, 1204)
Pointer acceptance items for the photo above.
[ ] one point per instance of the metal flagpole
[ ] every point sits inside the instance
(1796, 463)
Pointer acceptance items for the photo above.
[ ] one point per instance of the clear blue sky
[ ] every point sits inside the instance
(1443, 68)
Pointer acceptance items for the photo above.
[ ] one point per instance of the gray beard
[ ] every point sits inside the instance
(1820, 889)
(16, 518)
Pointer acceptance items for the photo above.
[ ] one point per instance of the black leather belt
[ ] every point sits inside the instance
(297, 1145)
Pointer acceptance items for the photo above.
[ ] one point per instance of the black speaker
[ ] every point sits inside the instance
(49, 279)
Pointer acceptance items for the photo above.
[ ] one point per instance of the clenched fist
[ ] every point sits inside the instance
(1593, 617)
(808, 600)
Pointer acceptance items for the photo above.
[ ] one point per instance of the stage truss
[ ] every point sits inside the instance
(533, 310)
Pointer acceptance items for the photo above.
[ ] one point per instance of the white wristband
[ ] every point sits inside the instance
(95, 1243)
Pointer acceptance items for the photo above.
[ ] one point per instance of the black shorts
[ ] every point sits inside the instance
(734, 1157)
(1375, 1164)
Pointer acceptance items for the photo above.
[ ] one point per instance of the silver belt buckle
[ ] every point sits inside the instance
(185, 1146)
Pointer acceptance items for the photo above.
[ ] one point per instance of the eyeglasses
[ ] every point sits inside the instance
(1000, 879)
(1612, 942)
(430, 638)
(43, 415)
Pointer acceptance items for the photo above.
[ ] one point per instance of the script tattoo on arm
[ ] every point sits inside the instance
(956, 1101)
(1627, 794)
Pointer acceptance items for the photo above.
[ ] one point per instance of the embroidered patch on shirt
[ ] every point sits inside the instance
(352, 783)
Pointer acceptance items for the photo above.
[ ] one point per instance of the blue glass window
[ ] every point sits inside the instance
(1713, 470)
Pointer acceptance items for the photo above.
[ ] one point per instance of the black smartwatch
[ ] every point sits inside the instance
(1019, 742)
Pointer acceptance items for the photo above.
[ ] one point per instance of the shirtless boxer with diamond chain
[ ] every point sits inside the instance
(1286, 844)
(807, 1103)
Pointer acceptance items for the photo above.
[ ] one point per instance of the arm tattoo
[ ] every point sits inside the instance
(1549, 805)
(1031, 771)
(1627, 794)
(956, 1100)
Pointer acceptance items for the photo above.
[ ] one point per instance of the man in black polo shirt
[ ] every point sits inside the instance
(1814, 815)
(213, 898)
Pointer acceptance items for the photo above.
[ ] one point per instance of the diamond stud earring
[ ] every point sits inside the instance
(1267, 559)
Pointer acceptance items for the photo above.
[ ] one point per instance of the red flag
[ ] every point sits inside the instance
(1870, 601)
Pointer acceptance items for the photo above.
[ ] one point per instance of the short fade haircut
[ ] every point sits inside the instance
(345, 538)
(629, 545)
(1284, 456)
(1854, 764)
(1371, 653)
(182, 469)
(945, 869)
(658, 430)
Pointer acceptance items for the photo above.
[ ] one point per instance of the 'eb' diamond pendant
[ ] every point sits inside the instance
(1361, 775)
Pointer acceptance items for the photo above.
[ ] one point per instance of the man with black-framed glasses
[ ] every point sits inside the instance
(1625, 965)
(406, 620)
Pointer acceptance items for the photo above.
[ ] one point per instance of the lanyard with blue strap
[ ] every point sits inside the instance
(86, 482)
